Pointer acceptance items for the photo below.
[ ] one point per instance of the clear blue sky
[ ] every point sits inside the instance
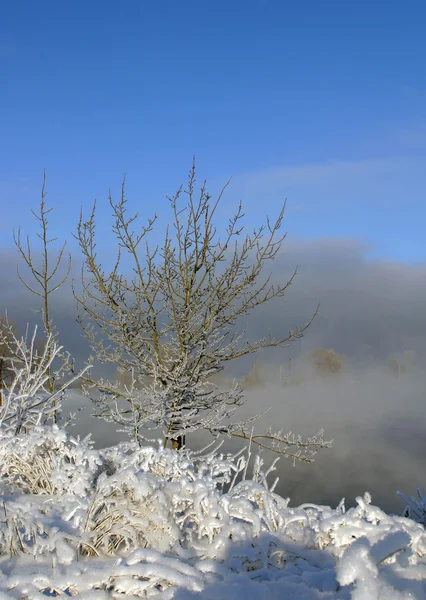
(323, 103)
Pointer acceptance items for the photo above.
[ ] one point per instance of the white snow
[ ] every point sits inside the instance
(129, 522)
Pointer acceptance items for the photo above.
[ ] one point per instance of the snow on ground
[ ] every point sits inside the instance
(129, 522)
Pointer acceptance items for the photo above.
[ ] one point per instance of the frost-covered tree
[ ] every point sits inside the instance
(174, 322)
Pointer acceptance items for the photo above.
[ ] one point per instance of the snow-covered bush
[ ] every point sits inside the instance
(30, 527)
(172, 465)
(154, 523)
(30, 398)
(158, 498)
(48, 460)
(130, 509)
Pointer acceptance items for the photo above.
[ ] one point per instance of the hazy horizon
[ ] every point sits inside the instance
(377, 420)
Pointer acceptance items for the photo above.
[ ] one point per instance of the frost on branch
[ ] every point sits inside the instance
(26, 398)
(415, 507)
(189, 405)
(289, 445)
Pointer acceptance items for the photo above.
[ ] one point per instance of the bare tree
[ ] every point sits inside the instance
(175, 319)
(46, 275)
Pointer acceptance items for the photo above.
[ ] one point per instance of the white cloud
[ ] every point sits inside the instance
(336, 175)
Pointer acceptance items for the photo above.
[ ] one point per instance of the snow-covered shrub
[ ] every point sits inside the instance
(170, 465)
(48, 460)
(149, 499)
(130, 509)
(184, 526)
(30, 527)
(158, 498)
(30, 398)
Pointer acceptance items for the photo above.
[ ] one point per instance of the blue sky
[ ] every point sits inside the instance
(322, 103)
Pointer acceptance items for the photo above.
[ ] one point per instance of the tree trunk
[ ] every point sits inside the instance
(178, 443)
